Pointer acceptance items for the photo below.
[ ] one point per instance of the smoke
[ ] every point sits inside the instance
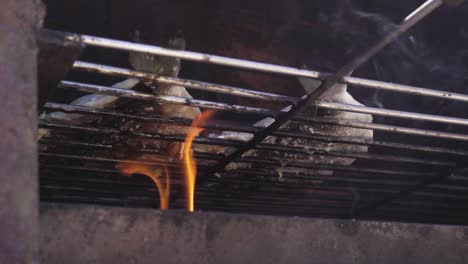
(324, 36)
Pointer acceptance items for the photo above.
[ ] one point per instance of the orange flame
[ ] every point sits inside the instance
(189, 162)
(163, 184)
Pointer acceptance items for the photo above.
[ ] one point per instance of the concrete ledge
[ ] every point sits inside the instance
(85, 234)
(19, 234)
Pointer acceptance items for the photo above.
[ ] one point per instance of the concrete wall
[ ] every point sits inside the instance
(19, 20)
(83, 234)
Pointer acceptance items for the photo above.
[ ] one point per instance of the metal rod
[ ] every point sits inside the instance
(290, 180)
(91, 172)
(188, 55)
(405, 89)
(267, 172)
(317, 151)
(312, 205)
(296, 178)
(265, 96)
(74, 143)
(346, 187)
(291, 163)
(270, 147)
(426, 194)
(297, 204)
(404, 193)
(431, 204)
(273, 200)
(218, 125)
(153, 135)
(370, 142)
(391, 113)
(245, 64)
(80, 168)
(101, 191)
(418, 14)
(203, 86)
(250, 129)
(386, 128)
(447, 186)
(80, 181)
(309, 190)
(99, 89)
(153, 163)
(73, 198)
(261, 196)
(155, 153)
(119, 187)
(415, 16)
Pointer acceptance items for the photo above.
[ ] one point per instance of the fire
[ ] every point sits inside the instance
(162, 183)
(189, 162)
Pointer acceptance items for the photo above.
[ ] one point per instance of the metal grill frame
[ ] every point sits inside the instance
(449, 170)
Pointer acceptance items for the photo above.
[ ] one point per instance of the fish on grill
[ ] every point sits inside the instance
(338, 93)
(95, 101)
(314, 151)
(159, 65)
(167, 66)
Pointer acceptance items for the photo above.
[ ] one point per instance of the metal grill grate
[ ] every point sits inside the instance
(395, 179)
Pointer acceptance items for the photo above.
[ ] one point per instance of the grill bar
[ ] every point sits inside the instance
(367, 142)
(203, 86)
(292, 182)
(309, 151)
(155, 136)
(219, 125)
(391, 113)
(386, 128)
(405, 89)
(106, 159)
(266, 191)
(404, 193)
(253, 110)
(121, 72)
(299, 196)
(251, 129)
(154, 153)
(388, 158)
(99, 89)
(274, 165)
(409, 21)
(268, 173)
(307, 164)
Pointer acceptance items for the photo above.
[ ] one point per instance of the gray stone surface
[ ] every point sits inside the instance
(19, 20)
(85, 234)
